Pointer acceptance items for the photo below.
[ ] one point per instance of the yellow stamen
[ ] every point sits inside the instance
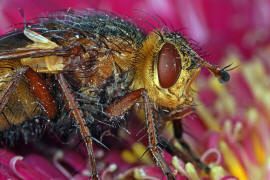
(252, 116)
(258, 81)
(138, 153)
(139, 173)
(169, 128)
(139, 149)
(177, 165)
(207, 118)
(225, 102)
(258, 149)
(178, 145)
(191, 171)
(128, 156)
(217, 172)
(232, 162)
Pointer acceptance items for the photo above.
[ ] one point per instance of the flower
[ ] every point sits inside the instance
(239, 113)
(230, 128)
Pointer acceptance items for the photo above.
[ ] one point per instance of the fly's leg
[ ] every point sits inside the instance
(179, 114)
(77, 114)
(187, 155)
(190, 155)
(40, 91)
(153, 140)
(124, 104)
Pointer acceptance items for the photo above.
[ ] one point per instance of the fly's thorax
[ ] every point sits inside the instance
(116, 58)
(168, 92)
(90, 63)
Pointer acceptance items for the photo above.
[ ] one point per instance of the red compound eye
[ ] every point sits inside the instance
(169, 65)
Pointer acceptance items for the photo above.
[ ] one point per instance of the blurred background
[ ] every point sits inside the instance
(232, 120)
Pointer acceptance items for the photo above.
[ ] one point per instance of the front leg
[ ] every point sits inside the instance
(153, 138)
(121, 106)
(124, 104)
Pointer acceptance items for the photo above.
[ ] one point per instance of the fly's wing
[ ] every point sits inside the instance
(35, 51)
(13, 40)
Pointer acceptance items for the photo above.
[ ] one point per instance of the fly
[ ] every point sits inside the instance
(100, 65)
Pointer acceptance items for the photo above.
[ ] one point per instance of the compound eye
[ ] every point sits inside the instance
(169, 65)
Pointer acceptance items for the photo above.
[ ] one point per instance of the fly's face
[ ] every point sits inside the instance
(166, 67)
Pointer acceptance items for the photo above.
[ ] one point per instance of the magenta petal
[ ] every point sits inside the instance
(195, 127)
(5, 157)
(24, 171)
(6, 173)
(211, 140)
(241, 97)
(43, 166)
(115, 157)
(179, 177)
(19, 167)
(80, 177)
(167, 157)
(249, 149)
(75, 160)
(208, 97)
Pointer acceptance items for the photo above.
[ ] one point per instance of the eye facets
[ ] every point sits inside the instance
(169, 65)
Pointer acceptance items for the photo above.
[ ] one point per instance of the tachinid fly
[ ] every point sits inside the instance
(90, 68)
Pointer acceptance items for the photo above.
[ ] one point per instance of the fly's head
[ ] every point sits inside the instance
(165, 67)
